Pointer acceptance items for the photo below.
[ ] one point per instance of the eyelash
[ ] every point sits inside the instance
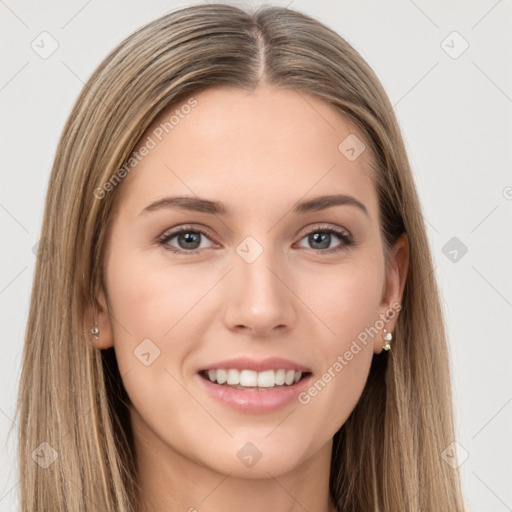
(346, 238)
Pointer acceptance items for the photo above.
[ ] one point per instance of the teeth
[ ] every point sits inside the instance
(266, 379)
(248, 378)
(233, 377)
(222, 376)
(251, 378)
(280, 377)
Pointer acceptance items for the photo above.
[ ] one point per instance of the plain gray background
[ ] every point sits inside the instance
(454, 106)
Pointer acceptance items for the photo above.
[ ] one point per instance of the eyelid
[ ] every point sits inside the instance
(170, 233)
(326, 227)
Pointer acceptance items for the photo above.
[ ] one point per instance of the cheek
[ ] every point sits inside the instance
(347, 300)
(153, 301)
(156, 312)
(151, 306)
(348, 306)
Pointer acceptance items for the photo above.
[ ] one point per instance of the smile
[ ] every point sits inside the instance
(251, 379)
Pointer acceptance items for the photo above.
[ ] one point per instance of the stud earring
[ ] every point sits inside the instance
(95, 331)
(387, 337)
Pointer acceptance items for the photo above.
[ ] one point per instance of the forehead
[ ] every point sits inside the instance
(264, 148)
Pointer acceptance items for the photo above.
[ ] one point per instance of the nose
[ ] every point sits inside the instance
(259, 298)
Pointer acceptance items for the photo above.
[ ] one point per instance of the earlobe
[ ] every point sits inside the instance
(98, 327)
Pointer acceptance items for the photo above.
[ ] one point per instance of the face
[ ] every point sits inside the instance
(250, 276)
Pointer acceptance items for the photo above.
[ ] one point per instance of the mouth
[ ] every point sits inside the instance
(251, 380)
(257, 386)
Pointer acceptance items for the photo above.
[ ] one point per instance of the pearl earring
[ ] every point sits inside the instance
(95, 331)
(387, 337)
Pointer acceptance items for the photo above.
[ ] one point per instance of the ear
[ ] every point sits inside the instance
(392, 293)
(99, 312)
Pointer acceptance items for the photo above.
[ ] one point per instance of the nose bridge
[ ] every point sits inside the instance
(258, 298)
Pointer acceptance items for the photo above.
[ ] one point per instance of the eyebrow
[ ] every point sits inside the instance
(198, 204)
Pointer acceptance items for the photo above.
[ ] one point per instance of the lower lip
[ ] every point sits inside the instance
(255, 400)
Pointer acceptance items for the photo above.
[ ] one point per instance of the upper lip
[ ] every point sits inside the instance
(259, 365)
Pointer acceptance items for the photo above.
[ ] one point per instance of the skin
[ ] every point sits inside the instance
(258, 153)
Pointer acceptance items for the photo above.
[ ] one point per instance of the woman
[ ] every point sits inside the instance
(240, 308)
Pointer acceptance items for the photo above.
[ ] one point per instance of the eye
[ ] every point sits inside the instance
(320, 239)
(188, 240)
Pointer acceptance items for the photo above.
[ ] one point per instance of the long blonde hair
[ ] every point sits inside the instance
(388, 454)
